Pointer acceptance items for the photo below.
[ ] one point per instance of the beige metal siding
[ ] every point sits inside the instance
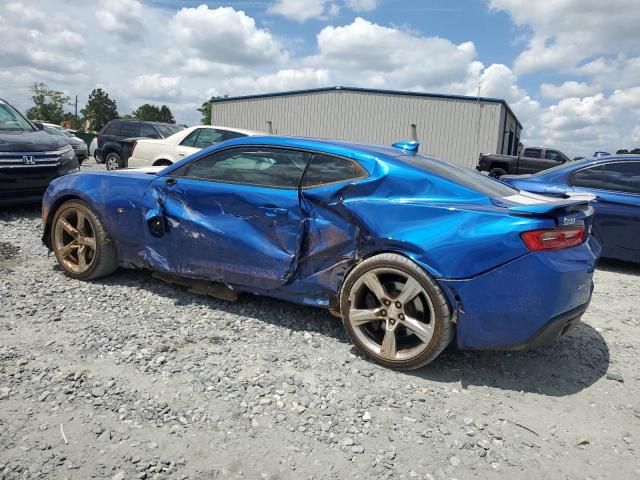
(456, 130)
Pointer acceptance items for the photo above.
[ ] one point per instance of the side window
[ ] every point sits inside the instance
(130, 130)
(208, 137)
(112, 129)
(231, 135)
(532, 152)
(553, 155)
(592, 177)
(623, 177)
(268, 167)
(190, 141)
(148, 131)
(325, 169)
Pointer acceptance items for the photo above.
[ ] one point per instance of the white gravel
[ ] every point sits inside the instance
(149, 381)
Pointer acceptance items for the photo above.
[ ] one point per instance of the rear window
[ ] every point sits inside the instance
(167, 130)
(112, 128)
(464, 176)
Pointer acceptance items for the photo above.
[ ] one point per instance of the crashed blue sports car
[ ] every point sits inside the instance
(408, 250)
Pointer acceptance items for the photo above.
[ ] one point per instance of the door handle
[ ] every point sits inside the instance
(181, 154)
(171, 181)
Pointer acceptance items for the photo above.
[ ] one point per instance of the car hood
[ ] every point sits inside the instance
(22, 141)
(75, 141)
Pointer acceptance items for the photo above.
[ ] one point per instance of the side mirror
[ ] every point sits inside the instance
(38, 125)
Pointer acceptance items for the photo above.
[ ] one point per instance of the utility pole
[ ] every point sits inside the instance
(76, 125)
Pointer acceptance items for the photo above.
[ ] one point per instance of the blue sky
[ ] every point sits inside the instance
(568, 69)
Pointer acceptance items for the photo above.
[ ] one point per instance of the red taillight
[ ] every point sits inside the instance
(553, 238)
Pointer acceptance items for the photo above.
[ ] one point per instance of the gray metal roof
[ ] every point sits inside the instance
(372, 91)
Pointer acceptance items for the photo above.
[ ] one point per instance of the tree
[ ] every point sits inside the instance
(205, 110)
(99, 109)
(165, 115)
(635, 151)
(48, 104)
(152, 113)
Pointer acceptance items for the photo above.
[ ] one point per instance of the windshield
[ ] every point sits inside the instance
(168, 130)
(11, 120)
(54, 131)
(464, 176)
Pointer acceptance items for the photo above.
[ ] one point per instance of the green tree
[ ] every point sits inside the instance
(205, 110)
(99, 109)
(48, 104)
(153, 113)
(165, 115)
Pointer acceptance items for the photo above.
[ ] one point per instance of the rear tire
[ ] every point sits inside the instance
(395, 313)
(80, 242)
(497, 172)
(113, 161)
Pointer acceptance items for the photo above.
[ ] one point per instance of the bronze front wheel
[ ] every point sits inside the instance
(80, 242)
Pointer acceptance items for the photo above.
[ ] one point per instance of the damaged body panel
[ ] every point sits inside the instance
(291, 218)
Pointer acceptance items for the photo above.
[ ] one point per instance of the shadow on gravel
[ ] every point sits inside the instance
(20, 212)
(268, 310)
(618, 266)
(572, 364)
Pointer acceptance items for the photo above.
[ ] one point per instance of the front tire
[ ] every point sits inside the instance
(395, 313)
(80, 243)
(113, 161)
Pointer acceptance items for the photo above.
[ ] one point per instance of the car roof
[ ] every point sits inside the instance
(321, 145)
(233, 129)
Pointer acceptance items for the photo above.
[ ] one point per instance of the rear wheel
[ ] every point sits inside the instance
(80, 242)
(395, 313)
(113, 161)
(497, 172)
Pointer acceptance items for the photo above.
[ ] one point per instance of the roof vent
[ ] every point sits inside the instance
(408, 147)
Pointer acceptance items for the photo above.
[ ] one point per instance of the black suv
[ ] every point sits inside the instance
(29, 158)
(117, 137)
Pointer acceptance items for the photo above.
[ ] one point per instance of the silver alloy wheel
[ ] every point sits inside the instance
(391, 314)
(112, 162)
(75, 241)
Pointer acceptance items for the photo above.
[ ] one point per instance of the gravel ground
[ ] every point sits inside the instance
(127, 377)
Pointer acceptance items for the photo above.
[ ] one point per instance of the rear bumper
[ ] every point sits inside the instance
(528, 302)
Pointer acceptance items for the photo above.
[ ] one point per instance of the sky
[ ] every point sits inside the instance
(570, 69)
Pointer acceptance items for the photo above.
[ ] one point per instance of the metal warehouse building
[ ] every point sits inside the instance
(454, 128)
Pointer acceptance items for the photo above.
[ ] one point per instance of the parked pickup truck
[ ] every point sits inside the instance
(530, 160)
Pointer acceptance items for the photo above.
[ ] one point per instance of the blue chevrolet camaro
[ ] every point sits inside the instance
(408, 250)
(615, 180)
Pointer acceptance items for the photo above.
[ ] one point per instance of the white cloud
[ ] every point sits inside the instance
(362, 5)
(45, 44)
(303, 10)
(156, 86)
(567, 89)
(381, 56)
(567, 32)
(299, 10)
(225, 35)
(122, 18)
(289, 79)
